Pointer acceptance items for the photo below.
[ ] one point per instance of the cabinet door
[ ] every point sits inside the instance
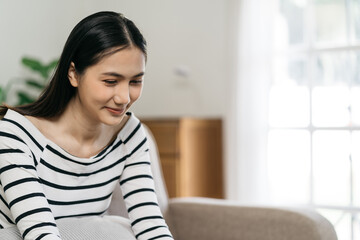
(166, 135)
(191, 155)
(201, 158)
(171, 175)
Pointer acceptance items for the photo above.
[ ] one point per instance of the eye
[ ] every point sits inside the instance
(136, 82)
(110, 82)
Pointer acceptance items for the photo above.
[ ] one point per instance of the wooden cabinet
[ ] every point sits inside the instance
(191, 155)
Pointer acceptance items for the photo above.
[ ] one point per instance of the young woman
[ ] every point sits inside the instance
(63, 155)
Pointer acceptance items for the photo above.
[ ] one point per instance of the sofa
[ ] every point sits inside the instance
(197, 218)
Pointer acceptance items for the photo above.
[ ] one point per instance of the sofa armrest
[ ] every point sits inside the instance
(210, 219)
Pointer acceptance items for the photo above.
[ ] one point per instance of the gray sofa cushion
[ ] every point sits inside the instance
(87, 228)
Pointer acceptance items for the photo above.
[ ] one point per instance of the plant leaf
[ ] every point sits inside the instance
(32, 63)
(2, 95)
(52, 65)
(35, 83)
(49, 68)
(35, 65)
(24, 98)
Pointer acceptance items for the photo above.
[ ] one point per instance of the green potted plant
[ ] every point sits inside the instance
(29, 85)
(43, 72)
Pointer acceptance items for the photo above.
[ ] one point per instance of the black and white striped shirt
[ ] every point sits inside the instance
(40, 182)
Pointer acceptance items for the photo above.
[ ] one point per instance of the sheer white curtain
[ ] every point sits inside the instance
(247, 169)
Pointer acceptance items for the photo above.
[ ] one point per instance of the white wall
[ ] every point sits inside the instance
(193, 37)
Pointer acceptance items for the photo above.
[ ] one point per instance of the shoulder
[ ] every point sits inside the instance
(15, 128)
(12, 121)
(130, 122)
(132, 129)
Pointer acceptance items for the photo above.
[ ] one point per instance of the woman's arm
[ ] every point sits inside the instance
(22, 198)
(137, 186)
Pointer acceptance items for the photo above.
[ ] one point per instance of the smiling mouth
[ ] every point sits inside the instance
(116, 111)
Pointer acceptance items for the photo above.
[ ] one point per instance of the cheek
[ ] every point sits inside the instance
(101, 93)
(90, 91)
(135, 93)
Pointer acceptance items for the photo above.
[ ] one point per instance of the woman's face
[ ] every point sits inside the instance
(106, 90)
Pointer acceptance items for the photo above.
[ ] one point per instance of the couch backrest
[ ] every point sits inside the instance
(117, 206)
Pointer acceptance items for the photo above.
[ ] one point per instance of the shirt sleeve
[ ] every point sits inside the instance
(137, 186)
(23, 200)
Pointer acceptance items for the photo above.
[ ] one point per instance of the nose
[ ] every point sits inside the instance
(122, 95)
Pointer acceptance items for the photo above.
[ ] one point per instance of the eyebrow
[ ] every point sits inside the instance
(118, 75)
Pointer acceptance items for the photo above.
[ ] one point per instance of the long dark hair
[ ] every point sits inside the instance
(94, 37)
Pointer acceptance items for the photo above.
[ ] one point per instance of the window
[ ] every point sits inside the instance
(314, 109)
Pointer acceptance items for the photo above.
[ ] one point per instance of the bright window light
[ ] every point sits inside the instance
(289, 166)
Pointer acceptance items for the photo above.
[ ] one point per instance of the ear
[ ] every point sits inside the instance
(73, 76)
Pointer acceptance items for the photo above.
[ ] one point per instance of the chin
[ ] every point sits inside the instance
(113, 121)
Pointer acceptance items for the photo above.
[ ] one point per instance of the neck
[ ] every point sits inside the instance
(75, 123)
